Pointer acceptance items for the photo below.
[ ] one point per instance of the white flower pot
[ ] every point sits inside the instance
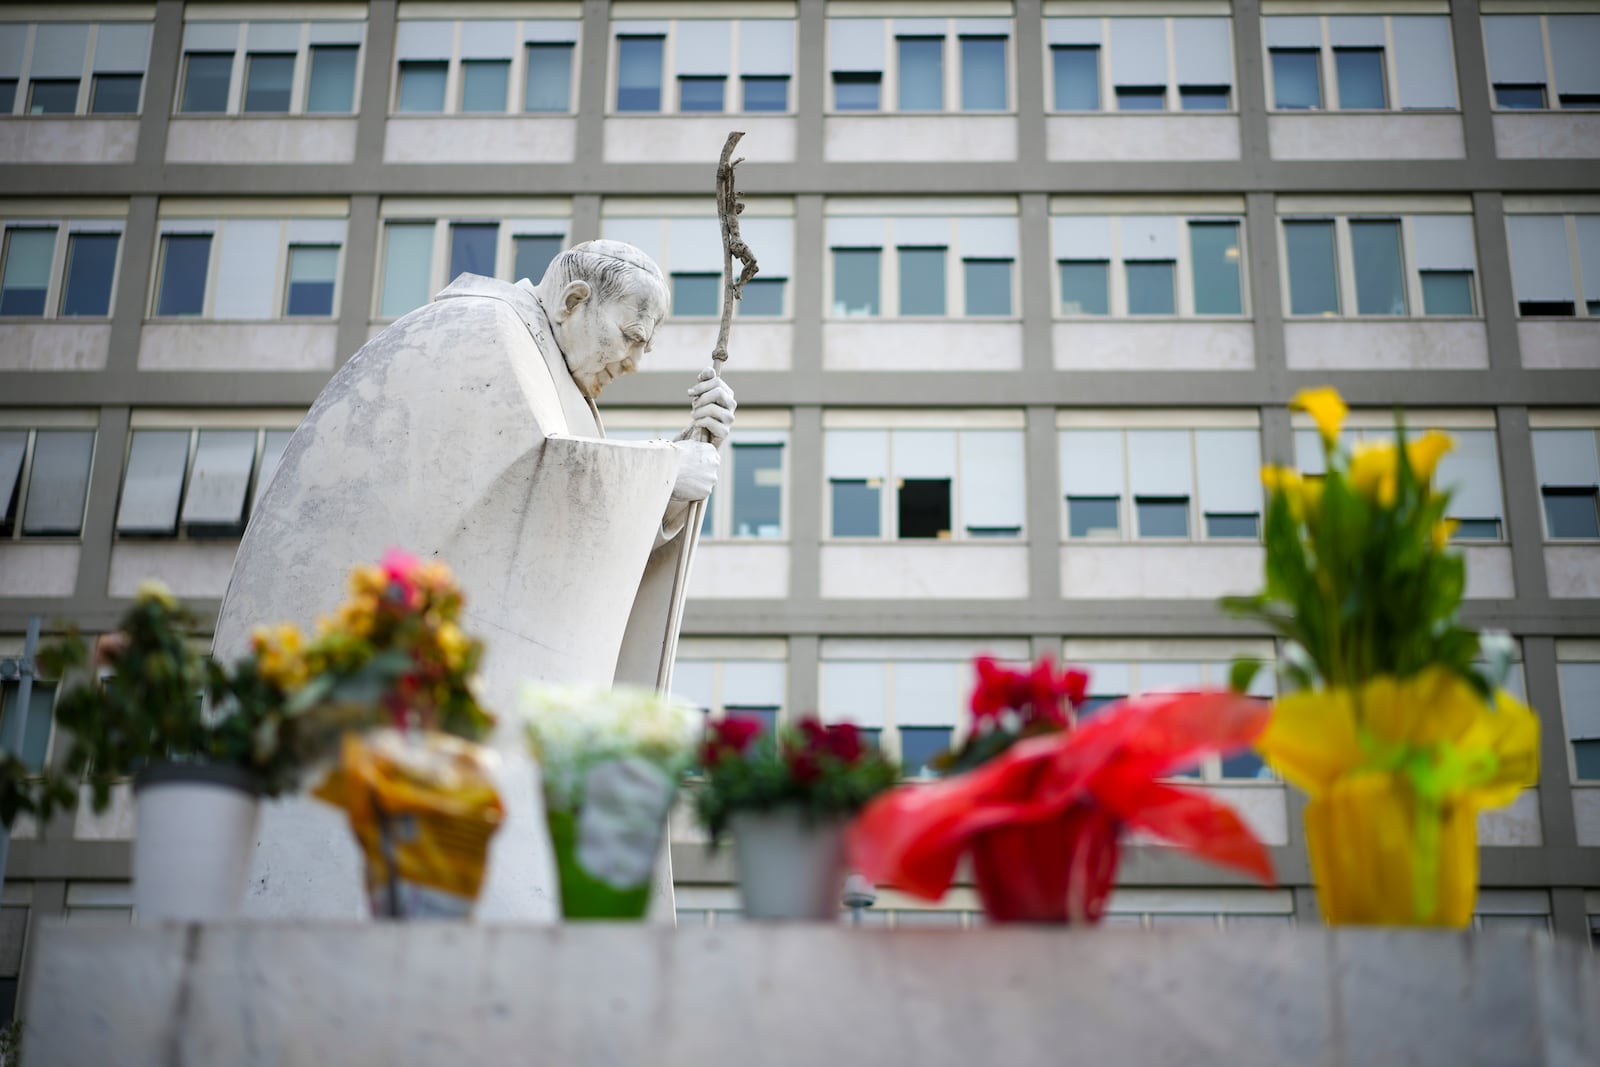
(789, 868)
(195, 832)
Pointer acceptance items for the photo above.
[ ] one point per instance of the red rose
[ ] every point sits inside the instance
(996, 690)
(729, 736)
(803, 765)
(844, 742)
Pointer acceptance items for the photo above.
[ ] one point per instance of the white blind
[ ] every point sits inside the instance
(1580, 699)
(927, 694)
(485, 39)
(59, 49)
(13, 46)
(853, 692)
(993, 485)
(1228, 463)
(272, 36)
(1205, 51)
(643, 234)
(987, 237)
(855, 44)
(704, 46)
(154, 481)
(1294, 31)
(1541, 266)
(1516, 49)
(1356, 31)
(766, 46)
(1443, 242)
(856, 453)
(1149, 236)
(694, 245)
(424, 39)
(1139, 51)
(1472, 470)
(220, 476)
(694, 681)
(1091, 462)
(1575, 50)
(775, 238)
(1566, 458)
(59, 481)
(271, 454)
(336, 32)
(13, 443)
(1082, 236)
(753, 682)
(1425, 72)
(924, 453)
(846, 231)
(1159, 464)
(1072, 31)
(122, 47)
(243, 289)
(1308, 452)
(1589, 254)
(1161, 677)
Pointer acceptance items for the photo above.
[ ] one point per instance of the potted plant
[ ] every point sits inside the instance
(201, 742)
(1041, 800)
(787, 798)
(610, 760)
(1399, 738)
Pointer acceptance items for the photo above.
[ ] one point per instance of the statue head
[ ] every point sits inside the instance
(604, 300)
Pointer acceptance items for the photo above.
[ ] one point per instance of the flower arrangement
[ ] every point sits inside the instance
(823, 772)
(1043, 814)
(574, 728)
(1399, 738)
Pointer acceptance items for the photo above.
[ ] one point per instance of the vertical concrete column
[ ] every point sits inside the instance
(1277, 438)
(372, 124)
(133, 286)
(804, 669)
(49, 903)
(805, 507)
(362, 247)
(1494, 281)
(1472, 80)
(100, 513)
(811, 82)
(1250, 86)
(1033, 268)
(1524, 508)
(594, 51)
(1031, 133)
(1043, 476)
(1569, 913)
(585, 220)
(1266, 291)
(1555, 780)
(160, 83)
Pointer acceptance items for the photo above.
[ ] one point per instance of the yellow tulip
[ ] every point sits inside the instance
(1373, 471)
(1325, 406)
(154, 591)
(453, 644)
(1443, 530)
(1423, 452)
(1280, 479)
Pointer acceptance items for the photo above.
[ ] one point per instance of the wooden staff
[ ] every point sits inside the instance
(730, 203)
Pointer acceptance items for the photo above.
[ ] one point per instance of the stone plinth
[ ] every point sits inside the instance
(455, 994)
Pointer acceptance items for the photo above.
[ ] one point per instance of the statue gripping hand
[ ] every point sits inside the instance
(711, 417)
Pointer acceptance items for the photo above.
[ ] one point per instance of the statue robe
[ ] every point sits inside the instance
(457, 433)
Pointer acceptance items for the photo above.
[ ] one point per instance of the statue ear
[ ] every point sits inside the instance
(574, 294)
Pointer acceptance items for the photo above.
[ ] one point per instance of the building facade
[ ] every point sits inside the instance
(1038, 279)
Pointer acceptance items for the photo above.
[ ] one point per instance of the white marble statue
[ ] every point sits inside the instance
(467, 431)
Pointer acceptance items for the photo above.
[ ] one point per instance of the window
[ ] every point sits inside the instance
(940, 267)
(221, 269)
(908, 57)
(732, 678)
(181, 286)
(1393, 266)
(472, 248)
(71, 68)
(91, 268)
(269, 81)
(946, 484)
(25, 277)
(1152, 482)
(1546, 281)
(720, 65)
(290, 68)
(639, 73)
(533, 256)
(1151, 63)
(700, 93)
(1580, 708)
(41, 714)
(749, 501)
(196, 483)
(696, 294)
(44, 480)
(115, 94)
(1360, 62)
(34, 283)
(313, 271)
(689, 251)
(1380, 282)
(484, 84)
(1540, 61)
(549, 82)
(766, 94)
(205, 82)
(53, 96)
(422, 85)
(1138, 265)
(332, 89)
(510, 249)
(484, 66)
(1567, 465)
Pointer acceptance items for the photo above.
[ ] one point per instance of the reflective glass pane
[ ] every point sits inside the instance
(184, 259)
(1162, 516)
(472, 249)
(1586, 759)
(757, 490)
(1077, 71)
(1214, 247)
(856, 281)
(1219, 524)
(115, 94)
(988, 285)
(1296, 81)
(1150, 288)
(1446, 292)
(1313, 277)
(407, 261)
(766, 94)
(1141, 98)
(922, 281)
(761, 296)
(1084, 287)
(54, 96)
(918, 747)
(856, 512)
(1380, 278)
(639, 73)
(700, 94)
(8, 95)
(268, 80)
(205, 81)
(36, 731)
(1203, 97)
(924, 508)
(696, 294)
(921, 73)
(422, 85)
(1093, 516)
(983, 74)
(484, 83)
(1360, 73)
(1571, 513)
(59, 482)
(25, 278)
(1477, 530)
(332, 89)
(1579, 101)
(533, 256)
(91, 264)
(549, 85)
(312, 270)
(856, 92)
(1519, 97)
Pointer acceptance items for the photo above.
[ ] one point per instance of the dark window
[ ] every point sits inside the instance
(921, 73)
(1162, 516)
(856, 281)
(1244, 765)
(1519, 97)
(205, 81)
(1095, 702)
(918, 747)
(766, 93)
(988, 285)
(184, 259)
(639, 73)
(1084, 287)
(1151, 287)
(268, 80)
(856, 90)
(1203, 97)
(484, 84)
(1141, 98)
(1077, 71)
(1224, 524)
(36, 731)
(549, 86)
(1569, 512)
(1546, 308)
(1313, 281)
(332, 88)
(91, 264)
(1579, 101)
(533, 256)
(856, 512)
(312, 272)
(767, 713)
(983, 74)
(1360, 72)
(53, 96)
(701, 93)
(922, 281)
(1214, 247)
(1477, 530)
(1296, 80)
(696, 294)
(8, 95)
(25, 274)
(472, 248)
(924, 508)
(115, 94)
(1586, 758)
(1093, 516)
(422, 84)
(1380, 275)
(761, 297)
(757, 490)
(1446, 292)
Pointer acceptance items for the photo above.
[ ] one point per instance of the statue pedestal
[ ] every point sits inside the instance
(448, 993)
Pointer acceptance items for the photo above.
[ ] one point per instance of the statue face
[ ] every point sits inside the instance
(604, 339)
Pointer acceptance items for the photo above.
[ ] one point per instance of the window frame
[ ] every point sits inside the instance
(1574, 653)
(671, 89)
(953, 65)
(1328, 74)
(178, 223)
(1581, 311)
(1106, 84)
(1345, 266)
(1549, 88)
(516, 73)
(1116, 261)
(66, 228)
(1585, 423)
(299, 80)
(889, 255)
(33, 424)
(661, 214)
(533, 219)
(88, 73)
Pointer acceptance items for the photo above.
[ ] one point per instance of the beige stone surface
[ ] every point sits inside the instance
(915, 346)
(1405, 344)
(902, 138)
(472, 139)
(930, 571)
(255, 139)
(1384, 136)
(54, 345)
(38, 568)
(1091, 571)
(34, 139)
(1114, 138)
(1551, 345)
(1572, 570)
(1154, 345)
(1547, 136)
(696, 138)
(241, 346)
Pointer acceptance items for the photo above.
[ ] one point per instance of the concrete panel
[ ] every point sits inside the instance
(753, 345)
(695, 138)
(1392, 135)
(263, 346)
(38, 569)
(733, 570)
(54, 346)
(75, 140)
(1516, 824)
(919, 139)
(259, 140)
(469, 139)
(1133, 138)
(1489, 574)
(914, 346)
(1560, 345)
(1572, 570)
(1148, 572)
(116, 823)
(1127, 345)
(1407, 344)
(1586, 813)
(933, 572)
(1547, 136)
(197, 569)
(253, 994)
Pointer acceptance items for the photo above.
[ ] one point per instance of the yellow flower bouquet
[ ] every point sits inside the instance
(1391, 724)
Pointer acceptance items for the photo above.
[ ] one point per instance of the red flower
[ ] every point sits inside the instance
(729, 736)
(1036, 696)
(400, 568)
(844, 742)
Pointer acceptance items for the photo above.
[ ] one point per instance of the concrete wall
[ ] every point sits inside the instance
(225, 139)
(1140, 138)
(54, 345)
(1390, 135)
(1404, 345)
(1550, 136)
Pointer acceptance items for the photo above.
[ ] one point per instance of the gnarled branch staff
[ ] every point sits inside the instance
(730, 202)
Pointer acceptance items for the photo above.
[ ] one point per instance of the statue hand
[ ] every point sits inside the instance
(713, 406)
(698, 464)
